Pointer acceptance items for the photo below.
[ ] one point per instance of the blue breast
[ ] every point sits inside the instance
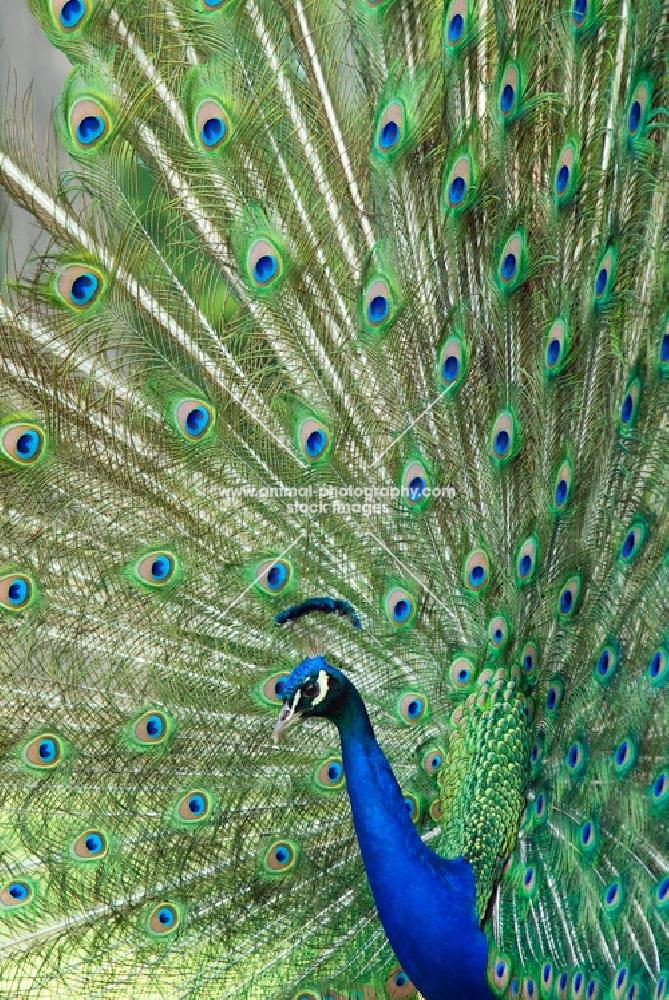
(426, 903)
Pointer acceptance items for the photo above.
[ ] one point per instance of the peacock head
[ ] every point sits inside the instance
(313, 689)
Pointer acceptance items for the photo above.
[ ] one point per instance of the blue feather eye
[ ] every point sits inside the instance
(634, 539)
(43, 752)
(79, 286)
(659, 789)
(624, 756)
(391, 129)
(526, 561)
(274, 576)
(264, 264)
(477, 571)
(621, 978)
(212, 126)
(157, 568)
(17, 592)
(500, 973)
(399, 986)
(457, 184)
(576, 758)
(579, 13)
(562, 488)
(612, 897)
(194, 418)
(664, 348)
(280, 857)
(657, 667)
(314, 439)
(272, 688)
(502, 441)
(662, 893)
(432, 760)
(462, 673)
(69, 15)
(509, 90)
(192, 808)
(498, 632)
(557, 345)
(637, 110)
(569, 596)
(605, 276)
(510, 270)
(415, 486)
(15, 894)
(630, 407)
(90, 846)
(163, 919)
(412, 807)
(379, 306)
(90, 124)
(529, 659)
(329, 774)
(22, 443)
(412, 707)
(554, 696)
(212, 5)
(455, 25)
(587, 836)
(606, 663)
(451, 363)
(565, 182)
(400, 607)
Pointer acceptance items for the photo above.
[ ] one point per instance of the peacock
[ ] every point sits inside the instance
(334, 563)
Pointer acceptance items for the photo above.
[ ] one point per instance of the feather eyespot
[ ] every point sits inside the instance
(163, 919)
(637, 111)
(462, 673)
(398, 985)
(432, 760)
(274, 575)
(455, 25)
(529, 881)
(556, 347)
(416, 485)
(451, 363)
(500, 974)
(15, 894)
(630, 408)
(272, 688)
(659, 789)
(457, 184)
(330, 774)
(151, 728)
(587, 836)
(624, 756)
(612, 897)
(547, 974)
(498, 632)
(502, 441)
(563, 986)
(579, 13)
(510, 270)
(477, 571)
(90, 846)
(569, 597)
(657, 667)
(576, 758)
(604, 279)
(412, 807)
(526, 561)
(662, 988)
(554, 696)
(212, 5)
(436, 811)
(606, 664)
(43, 752)
(391, 129)
(194, 418)
(69, 15)
(22, 443)
(280, 857)
(79, 286)
(530, 660)
(563, 486)
(314, 440)
(212, 126)
(412, 707)
(17, 592)
(90, 124)
(264, 264)
(509, 91)
(157, 568)
(378, 304)
(193, 807)
(400, 607)
(565, 182)
(634, 539)
(578, 986)
(664, 349)
(662, 893)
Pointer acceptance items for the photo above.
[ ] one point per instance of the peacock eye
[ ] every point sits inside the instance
(310, 689)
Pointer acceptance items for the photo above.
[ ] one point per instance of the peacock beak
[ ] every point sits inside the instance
(287, 716)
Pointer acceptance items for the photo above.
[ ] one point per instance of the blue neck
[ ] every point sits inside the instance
(426, 903)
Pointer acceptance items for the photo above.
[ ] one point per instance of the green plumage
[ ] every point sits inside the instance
(359, 300)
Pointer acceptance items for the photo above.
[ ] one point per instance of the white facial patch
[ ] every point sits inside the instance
(322, 688)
